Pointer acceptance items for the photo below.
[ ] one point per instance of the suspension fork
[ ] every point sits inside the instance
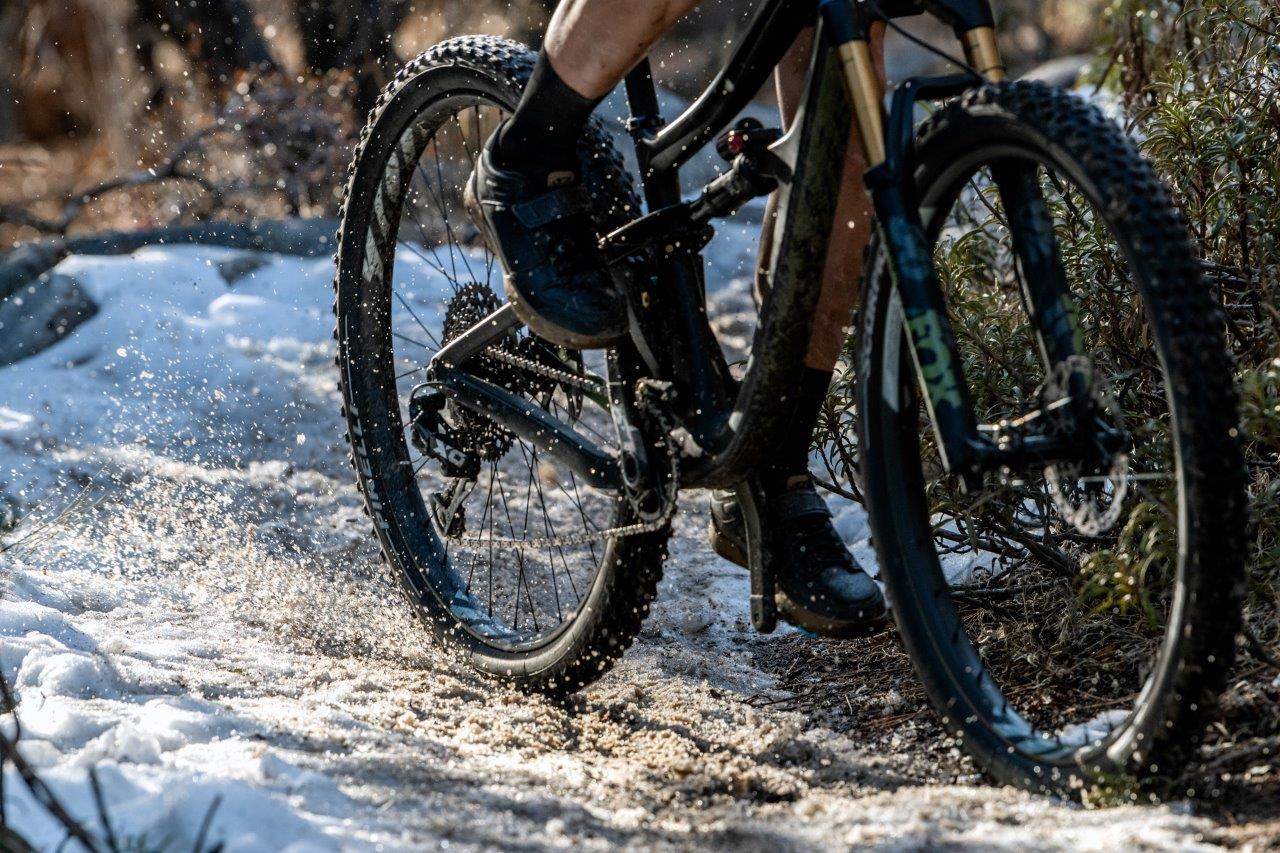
(1046, 296)
(928, 327)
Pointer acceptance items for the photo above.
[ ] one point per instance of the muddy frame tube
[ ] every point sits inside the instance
(734, 423)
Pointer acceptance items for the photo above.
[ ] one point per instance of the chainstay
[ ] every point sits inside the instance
(670, 495)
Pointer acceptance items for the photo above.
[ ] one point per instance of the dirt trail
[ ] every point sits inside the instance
(221, 627)
(294, 634)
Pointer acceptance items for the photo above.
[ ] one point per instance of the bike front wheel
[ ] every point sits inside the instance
(1072, 628)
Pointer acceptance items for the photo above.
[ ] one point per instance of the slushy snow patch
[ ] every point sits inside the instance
(220, 631)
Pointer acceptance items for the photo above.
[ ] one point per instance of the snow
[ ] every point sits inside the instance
(218, 637)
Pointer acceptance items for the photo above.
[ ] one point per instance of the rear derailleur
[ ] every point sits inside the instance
(435, 439)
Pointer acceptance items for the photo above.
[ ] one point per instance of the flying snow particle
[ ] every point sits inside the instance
(302, 439)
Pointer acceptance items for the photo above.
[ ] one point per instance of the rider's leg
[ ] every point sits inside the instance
(843, 267)
(524, 192)
(589, 46)
(820, 584)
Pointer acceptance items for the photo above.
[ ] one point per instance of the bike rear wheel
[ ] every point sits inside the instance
(1067, 649)
(513, 566)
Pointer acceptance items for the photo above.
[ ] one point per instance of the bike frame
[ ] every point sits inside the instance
(730, 424)
(727, 419)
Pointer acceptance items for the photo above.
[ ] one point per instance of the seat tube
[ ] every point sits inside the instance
(674, 298)
(645, 120)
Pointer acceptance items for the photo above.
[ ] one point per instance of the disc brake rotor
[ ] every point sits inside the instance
(1088, 498)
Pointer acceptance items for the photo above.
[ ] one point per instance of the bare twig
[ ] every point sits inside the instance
(280, 124)
(101, 805)
(39, 790)
(205, 824)
(987, 593)
(45, 530)
(170, 169)
(837, 490)
(18, 216)
(1259, 649)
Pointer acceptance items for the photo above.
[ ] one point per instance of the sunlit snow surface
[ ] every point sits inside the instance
(218, 628)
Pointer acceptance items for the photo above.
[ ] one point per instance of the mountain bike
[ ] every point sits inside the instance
(1044, 410)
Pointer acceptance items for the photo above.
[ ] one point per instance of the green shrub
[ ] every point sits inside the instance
(1199, 88)
(1200, 83)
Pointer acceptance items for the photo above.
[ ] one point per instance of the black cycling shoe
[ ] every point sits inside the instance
(542, 230)
(821, 587)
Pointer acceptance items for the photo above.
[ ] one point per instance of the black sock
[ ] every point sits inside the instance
(542, 134)
(791, 461)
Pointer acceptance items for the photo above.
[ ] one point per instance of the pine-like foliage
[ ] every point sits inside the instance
(1200, 82)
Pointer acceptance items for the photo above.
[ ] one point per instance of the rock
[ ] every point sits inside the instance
(37, 316)
(238, 266)
(23, 265)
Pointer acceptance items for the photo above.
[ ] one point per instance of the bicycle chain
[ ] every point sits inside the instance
(564, 377)
(670, 492)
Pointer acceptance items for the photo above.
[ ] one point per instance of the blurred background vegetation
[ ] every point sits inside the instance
(99, 88)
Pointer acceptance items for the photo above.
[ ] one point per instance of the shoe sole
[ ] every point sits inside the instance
(796, 614)
(730, 549)
(539, 325)
(834, 629)
(544, 328)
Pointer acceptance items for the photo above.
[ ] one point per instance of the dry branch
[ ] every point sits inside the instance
(39, 790)
(289, 137)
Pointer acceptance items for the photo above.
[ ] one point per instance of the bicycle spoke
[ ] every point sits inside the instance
(411, 372)
(434, 264)
(438, 199)
(529, 589)
(410, 340)
(448, 228)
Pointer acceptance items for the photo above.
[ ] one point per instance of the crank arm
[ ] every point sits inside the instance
(531, 423)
